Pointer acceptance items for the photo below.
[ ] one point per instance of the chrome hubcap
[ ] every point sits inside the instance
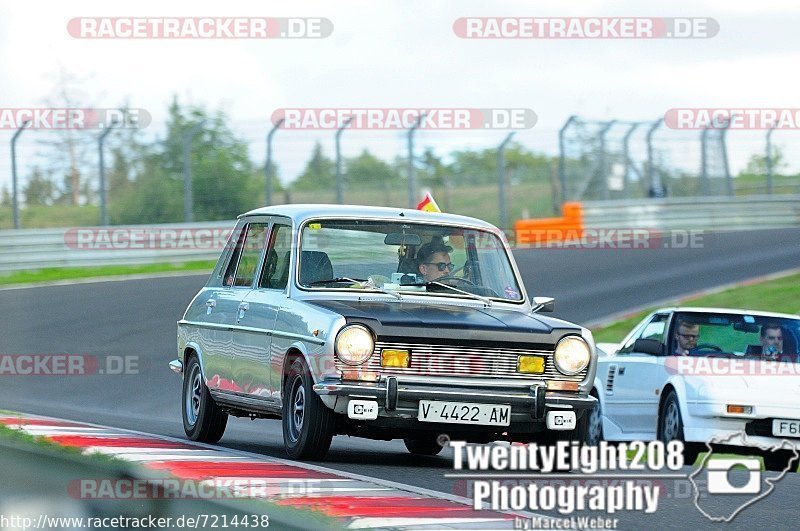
(194, 395)
(297, 409)
(671, 422)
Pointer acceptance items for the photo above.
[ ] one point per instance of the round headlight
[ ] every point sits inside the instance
(354, 344)
(572, 355)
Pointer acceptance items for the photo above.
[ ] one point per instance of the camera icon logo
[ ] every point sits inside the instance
(719, 476)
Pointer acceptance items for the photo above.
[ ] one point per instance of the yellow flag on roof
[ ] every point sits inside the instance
(428, 204)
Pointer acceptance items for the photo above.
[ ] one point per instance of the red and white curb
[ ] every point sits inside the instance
(357, 502)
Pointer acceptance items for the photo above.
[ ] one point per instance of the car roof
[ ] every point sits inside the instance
(302, 212)
(735, 311)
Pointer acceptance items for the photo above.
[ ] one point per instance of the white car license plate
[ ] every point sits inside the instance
(786, 428)
(464, 413)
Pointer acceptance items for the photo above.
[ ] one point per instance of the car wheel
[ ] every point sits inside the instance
(203, 419)
(778, 460)
(670, 428)
(308, 425)
(594, 426)
(423, 445)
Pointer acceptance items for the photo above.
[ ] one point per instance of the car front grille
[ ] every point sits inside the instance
(466, 361)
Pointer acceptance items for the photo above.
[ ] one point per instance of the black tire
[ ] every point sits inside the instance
(203, 419)
(308, 425)
(594, 425)
(670, 428)
(778, 460)
(423, 445)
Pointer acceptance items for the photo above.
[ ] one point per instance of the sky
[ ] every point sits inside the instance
(404, 53)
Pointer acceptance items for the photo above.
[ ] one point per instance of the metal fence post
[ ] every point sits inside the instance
(501, 180)
(651, 173)
(562, 158)
(769, 159)
(412, 176)
(726, 167)
(703, 162)
(268, 164)
(188, 199)
(339, 180)
(103, 187)
(603, 162)
(14, 185)
(627, 155)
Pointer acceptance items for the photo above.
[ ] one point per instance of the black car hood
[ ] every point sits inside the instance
(447, 322)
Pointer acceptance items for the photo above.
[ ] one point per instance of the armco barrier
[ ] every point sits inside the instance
(702, 213)
(65, 247)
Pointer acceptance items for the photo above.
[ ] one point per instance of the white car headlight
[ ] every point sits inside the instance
(354, 344)
(572, 355)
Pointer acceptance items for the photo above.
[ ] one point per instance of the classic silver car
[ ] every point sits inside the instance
(382, 323)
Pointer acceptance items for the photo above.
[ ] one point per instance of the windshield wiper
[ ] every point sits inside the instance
(485, 300)
(336, 280)
(365, 284)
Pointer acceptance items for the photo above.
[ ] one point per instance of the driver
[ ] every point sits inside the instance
(771, 339)
(686, 336)
(433, 260)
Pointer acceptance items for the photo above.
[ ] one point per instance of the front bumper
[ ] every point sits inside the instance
(401, 399)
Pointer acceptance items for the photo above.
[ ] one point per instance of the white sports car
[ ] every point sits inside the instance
(731, 377)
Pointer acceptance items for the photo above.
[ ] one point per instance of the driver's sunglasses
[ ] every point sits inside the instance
(443, 266)
(689, 336)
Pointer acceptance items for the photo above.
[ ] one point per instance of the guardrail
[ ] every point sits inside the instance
(95, 246)
(706, 213)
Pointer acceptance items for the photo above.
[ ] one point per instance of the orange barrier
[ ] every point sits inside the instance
(539, 231)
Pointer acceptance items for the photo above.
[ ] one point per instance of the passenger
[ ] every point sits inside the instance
(433, 260)
(686, 336)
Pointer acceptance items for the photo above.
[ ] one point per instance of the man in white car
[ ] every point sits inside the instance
(771, 340)
(686, 335)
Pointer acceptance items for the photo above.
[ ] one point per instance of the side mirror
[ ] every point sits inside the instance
(649, 346)
(543, 304)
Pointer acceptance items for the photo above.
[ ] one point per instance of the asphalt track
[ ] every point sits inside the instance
(137, 318)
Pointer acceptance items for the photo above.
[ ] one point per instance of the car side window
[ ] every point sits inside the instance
(653, 329)
(275, 273)
(244, 259)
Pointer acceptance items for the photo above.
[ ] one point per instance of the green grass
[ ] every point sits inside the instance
(54, 274)
(779, 295)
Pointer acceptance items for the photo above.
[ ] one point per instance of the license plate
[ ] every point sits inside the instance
(464, 413)
(786, 428)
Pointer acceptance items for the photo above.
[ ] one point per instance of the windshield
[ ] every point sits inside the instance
(729, 335)
(406, 258)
